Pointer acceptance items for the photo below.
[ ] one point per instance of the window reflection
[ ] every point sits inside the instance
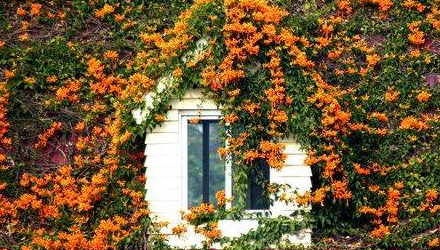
(195, 164)
(206, 172)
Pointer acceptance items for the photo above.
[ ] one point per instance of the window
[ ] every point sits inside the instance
(207, 174)
(258, 179)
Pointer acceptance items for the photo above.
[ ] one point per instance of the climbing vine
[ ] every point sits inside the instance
(355, 82)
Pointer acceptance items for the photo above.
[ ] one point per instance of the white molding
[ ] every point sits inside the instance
(184, 116)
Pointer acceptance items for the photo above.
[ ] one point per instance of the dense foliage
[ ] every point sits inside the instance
(356, 82)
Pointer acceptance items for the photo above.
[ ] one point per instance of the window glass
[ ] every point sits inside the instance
(257, 197)
(216, 166)
(195, 164)
(258, 179)
(206, 172)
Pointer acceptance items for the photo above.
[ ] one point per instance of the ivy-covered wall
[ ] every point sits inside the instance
(355, 81)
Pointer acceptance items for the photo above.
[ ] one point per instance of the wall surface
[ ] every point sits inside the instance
(165, 176)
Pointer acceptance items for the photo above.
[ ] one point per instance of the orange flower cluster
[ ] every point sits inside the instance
(5, 142)
(384, 5)
(391, 95)
(221, 198)
(360, 170)
(35, 9)
(242, 40)
(431, 196)
(411, 122)
(179, 34)
(44, 137)
(423, 96)
(433, 18)
(111, 55)
(69, 91)
(341, 190)
(276, 94)
(273, 153)
(317, 197)
(380, 232)
(137, 85)
(179, 229)
(382, 117)
(211, 232)
(414, 4)
(107, 232)
(416, 37)
(390, 208)
(434, 242)
(106, 9)
(345, 6)
(201, 211)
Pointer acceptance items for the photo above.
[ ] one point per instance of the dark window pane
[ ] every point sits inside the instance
(216, 166)
(195, 164)
(257, 197)
(259, 177)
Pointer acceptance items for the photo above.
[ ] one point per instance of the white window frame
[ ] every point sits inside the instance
(184, 116)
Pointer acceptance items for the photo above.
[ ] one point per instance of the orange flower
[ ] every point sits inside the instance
(360, 170)
(51, 79)
(416, 37)
(380, 232)
(399, 185)
(319, 195)
(391, 95)
(106, 9)
(423, 96)
(160, 118)
(251, 108)
(8, 74)
(3, 186)
(212, 233)
(80, 127)
(344, 6)
(327, 29)
(221, 198)
(95, 68)
(21, 11)
(222, 152)
(119, 17)
(29, 80)
(431, 195)
(35, 9)
(69, 91)
(382, 117)
(251, 155)
(340, 190)
(434, 242)
(179, 229)
(44, 137)
(231, 118)
(194, 120)
(111, 55)
(278, 116)
(372, 60)
(177, 72)
(411, 122)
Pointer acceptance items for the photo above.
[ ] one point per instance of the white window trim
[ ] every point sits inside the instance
(184, 116)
